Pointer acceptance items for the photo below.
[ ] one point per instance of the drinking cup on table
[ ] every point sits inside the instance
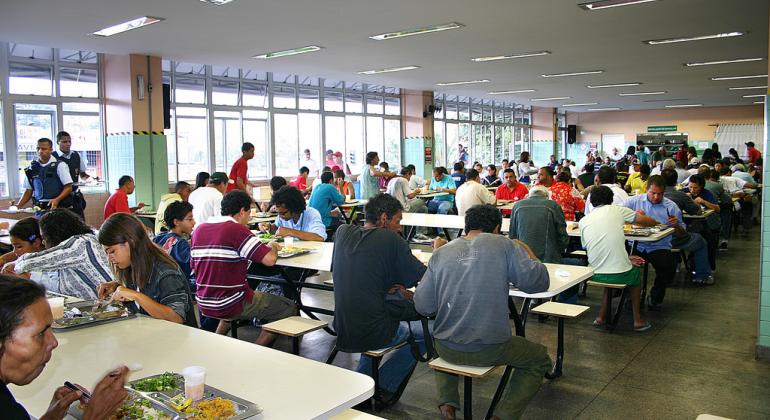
(194, 382)
(288, 241)
(57, 307)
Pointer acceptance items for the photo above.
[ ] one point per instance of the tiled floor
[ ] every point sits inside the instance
(698, 357)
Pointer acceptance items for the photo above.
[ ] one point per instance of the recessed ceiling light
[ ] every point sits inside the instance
(578, 73)
(761, 95)
(418, 31)
(757, 76)
(711, 63)
(558, 98)
(747, 87)
(583, 104)
(693, 38)
(603, 109)
(510, 92)
(293, 51)
(218, 2)
(662, 92)
(390, 70)
(127, 26)
(464, 82)
(506, 57)
(684, 106)
(606, 4)
(613, 85)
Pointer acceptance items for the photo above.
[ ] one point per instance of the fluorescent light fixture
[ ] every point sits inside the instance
(661, 92)
(127, 26)
(711, 63)
(510, 92)
(558, 98)
(463, 82)
(390, 70)
(506, 57)
(577, 73)
(603, 109)
(583, 104)
(606, 4)
(693, 38)
(613, 85)
(759, 102)
(747, 87)
(684, 106)
(762, 95)
(218, 2)
(666, 100)
(757, 76)
(418, 31)
(293, 51)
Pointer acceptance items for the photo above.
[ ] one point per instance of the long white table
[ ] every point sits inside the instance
(5, 239)
(575, 275)
(573, 230)
(285, 386)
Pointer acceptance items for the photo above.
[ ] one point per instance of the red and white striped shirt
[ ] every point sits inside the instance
(221, 251)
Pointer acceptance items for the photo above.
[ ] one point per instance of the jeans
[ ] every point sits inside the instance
(726, 213)
(397, 369)
(439, 206)
(662, 261)
(529, 360)
(698, 248)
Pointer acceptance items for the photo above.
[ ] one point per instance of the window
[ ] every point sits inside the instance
(83, 123)
(310, 136)
(224, 92)
(254, 94)
(77, 82)
(192, 142)
(284, 97)
(30, 79)
(393, 141)
(374, 104)
(333, 101)
(33, 121)
(255, 132)
(287, 155)
(308, 99)
(392, 106)
(375, 136)
(439, 149)
(353, 103)
(227, 139)
(335, 133)
(190, 90)
(354, 142)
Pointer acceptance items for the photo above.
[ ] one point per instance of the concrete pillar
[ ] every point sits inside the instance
(417, 131)
(763, 341)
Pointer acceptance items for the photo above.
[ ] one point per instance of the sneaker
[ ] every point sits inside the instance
(652, 305)
(421, 237)
(708, 281)
(723, 246)
(697, 280)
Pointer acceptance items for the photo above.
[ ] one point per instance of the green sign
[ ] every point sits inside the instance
(661, 128)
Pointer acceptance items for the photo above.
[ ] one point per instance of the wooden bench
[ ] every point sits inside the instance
(294, 327)
(561, 311)
(611, 287)
(467, 373)
(351, 414)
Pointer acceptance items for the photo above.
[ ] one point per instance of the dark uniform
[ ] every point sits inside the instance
(46, 185)
(74, 164)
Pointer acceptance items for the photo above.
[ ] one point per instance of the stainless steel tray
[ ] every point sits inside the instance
(244, 409)
(89, 320)
(284, 254)
(76, 410)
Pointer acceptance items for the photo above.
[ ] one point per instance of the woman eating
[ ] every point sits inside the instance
(26, 345)
(25, 239)
(147, 276)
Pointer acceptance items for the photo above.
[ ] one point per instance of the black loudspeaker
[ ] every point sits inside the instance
(571, 134)
(166, 106)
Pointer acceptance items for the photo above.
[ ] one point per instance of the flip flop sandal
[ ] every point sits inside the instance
(644, 327)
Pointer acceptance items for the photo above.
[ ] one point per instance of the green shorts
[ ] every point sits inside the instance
(631, 277)
(267, 307)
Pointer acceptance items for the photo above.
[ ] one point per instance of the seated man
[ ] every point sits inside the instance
(207, 201)
(539, 223)
(458, 174)
(300, 182)
(713, 223)
(725, 204)
(221, 250)
(181, 192)
(658, 253)
(118, 201)
(370, 262)
(325, 198)
(472, 193)
(601, 233)
(342, 185)
(690, 241)
(441, 182)
(466, 288)
(491, 179)
(608, 177)
(398, 187)
(512, 189)
(295, 219)
(637, 181)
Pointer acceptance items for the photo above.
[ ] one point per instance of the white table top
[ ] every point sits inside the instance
(319, 259)
(270, 378)
(572, 230)
(432, 194)
(354, 203)
(6, 239)
(576, 274)
(706, 213)
(449, 221)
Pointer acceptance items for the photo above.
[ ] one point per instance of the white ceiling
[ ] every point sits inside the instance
(609, 40)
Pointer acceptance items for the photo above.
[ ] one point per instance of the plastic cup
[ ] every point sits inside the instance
(57, 307)
(288, 241)
(194, 382)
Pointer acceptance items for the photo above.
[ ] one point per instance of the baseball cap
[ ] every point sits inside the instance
(220, 177)
(338, 153)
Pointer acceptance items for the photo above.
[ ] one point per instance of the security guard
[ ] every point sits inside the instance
(47, 182)
(77, 168)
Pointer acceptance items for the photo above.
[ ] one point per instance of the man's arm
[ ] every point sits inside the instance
(24, 198)
(425, 301)
(525, 273)
(65, 192)
(561, 227)
(240, 183)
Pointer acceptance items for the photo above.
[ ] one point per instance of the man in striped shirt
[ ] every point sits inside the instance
(222, 249)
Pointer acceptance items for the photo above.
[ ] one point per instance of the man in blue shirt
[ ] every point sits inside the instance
(295, 219)
(324, 198)
(442, 183)
(458, 174)
(658, 253)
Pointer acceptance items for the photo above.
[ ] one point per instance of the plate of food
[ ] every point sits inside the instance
(287, 252)
(264, 215)
(90, 312)
(266, 237)
(135, 407)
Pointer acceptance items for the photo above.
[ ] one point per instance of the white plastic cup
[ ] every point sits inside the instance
(194, 382)
(288, 241)
(57, 307)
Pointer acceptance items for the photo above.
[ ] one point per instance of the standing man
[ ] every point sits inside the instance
(370, 175)
(462, 154)
(239, 173)
(310, 163)
(47, 182)
(77, 167)
(118, 201)
(753, 153)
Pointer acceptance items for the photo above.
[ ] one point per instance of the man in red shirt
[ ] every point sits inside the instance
(512, 189)
(754, 154)
(118, 201)
(239, 172)
(300, 182)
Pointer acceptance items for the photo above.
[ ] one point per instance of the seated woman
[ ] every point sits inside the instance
(147, 276)
(295, 218)
(27, 343)
(566, 196)
(25, 238)
(72, 251)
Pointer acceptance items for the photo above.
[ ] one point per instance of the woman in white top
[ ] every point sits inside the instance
(525, 168)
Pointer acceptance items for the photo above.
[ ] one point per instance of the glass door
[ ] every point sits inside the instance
(33, 121)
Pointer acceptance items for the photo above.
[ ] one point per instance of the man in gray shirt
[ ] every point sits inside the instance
(466, 288)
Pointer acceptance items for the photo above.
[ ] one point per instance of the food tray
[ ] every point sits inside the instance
(274, 238)
(288, 254)
(76, 410)
(637, 232)
(89, 320)
(244, 409)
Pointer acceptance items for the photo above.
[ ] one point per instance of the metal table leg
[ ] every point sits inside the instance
(556, 372)
(467, 397)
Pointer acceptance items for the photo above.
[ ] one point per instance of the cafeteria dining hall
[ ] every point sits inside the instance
(351, 210)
